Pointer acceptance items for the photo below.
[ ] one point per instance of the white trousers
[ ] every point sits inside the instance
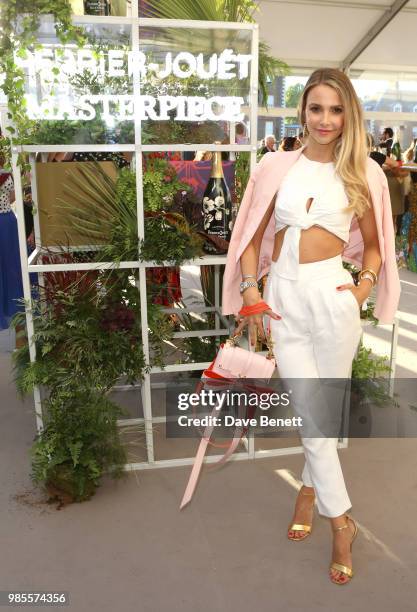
(317, 337)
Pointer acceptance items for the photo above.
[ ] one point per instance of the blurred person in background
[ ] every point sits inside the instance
(11, 288)
(409, 221)
(378, 156)
(240, 134)
(387, 140)
(270, 143)
(289, 143)
(395, 177)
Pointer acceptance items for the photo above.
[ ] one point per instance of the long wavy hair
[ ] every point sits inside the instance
(350, 153)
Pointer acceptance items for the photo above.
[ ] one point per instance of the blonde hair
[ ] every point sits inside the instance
(370, 141)
(350, 153)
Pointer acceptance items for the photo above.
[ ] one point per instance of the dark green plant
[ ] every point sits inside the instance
(89, 335)
(78, 444)
(70, 132)
(169, 239)
(160, 184)
(103, 211)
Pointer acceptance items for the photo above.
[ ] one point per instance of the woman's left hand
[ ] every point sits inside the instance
(360, 293)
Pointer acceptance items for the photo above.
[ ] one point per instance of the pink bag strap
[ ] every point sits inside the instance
(198, 460)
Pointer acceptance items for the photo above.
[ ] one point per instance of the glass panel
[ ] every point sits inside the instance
(404, 131)
(81, 96)
(292, 89)
(195, 85)
(392, 92)
(79, 207)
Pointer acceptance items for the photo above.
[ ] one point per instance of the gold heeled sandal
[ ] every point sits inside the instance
(344, 569)
(298, 526)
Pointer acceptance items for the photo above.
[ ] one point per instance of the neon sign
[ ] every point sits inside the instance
(55, 98)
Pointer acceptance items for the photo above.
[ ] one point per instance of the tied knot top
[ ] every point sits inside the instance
(315, 181)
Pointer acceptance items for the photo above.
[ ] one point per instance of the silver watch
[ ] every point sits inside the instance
(246, 284)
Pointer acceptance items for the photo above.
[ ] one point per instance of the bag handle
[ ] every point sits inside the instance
(231, 340)
(205, 440)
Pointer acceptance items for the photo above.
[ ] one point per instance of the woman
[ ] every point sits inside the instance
(11, 288)
(303, 210)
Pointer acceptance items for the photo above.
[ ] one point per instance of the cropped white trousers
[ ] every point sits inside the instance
(317, 337)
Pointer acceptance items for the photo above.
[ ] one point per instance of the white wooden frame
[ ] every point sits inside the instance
(29, 264)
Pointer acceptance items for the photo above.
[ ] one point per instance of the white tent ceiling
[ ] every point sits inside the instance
(308, 33)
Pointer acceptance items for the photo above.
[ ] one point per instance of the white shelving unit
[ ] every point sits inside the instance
(30, 264)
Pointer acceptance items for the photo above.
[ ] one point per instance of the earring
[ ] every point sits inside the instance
(305, 130)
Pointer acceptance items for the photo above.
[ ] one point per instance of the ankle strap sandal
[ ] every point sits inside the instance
(344, 569)
(298, 526)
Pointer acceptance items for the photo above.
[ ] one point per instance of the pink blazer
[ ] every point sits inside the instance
(262, 185)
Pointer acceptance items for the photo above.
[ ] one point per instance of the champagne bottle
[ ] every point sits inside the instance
(97, 7)
(217, 205)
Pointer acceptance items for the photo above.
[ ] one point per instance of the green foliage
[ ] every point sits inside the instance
(368, 365)
(70, 132)
(292, 96)
(369, 380)
(160, 184)
(165, 241)
(223, 10)
(103, 211)
(19, 23)
(88, 335)
(79, 443)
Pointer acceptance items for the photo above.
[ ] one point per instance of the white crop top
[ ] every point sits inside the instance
(309, 179)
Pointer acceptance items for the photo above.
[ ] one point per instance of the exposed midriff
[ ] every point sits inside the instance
(316, 243)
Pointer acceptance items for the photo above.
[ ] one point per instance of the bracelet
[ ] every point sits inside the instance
(246, 284)
(369, 277)
(255, 309)
(366, 277)
(248, 276)
(366, 272)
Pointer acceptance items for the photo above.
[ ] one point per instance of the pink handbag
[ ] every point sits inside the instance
(235, 362)
(231, 362)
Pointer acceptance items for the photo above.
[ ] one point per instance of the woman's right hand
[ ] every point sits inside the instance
(255, 322)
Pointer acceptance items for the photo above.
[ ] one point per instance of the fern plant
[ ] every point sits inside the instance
(79, 443)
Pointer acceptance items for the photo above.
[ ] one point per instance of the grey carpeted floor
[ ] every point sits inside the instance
(130, 548)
